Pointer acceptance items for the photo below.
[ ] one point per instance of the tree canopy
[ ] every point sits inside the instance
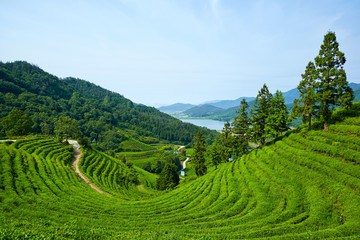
(17, 123)
(198, 160)
(168, 178)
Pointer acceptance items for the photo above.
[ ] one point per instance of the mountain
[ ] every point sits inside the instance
(355, 86)
(225, 110)
(226, 104)
(175, 108)
(105, 117)
(205, 110)
(291, 95)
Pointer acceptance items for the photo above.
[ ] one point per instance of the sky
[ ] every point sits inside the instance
(160, 52)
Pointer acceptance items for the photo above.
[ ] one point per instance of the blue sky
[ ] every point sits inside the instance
(166, 51)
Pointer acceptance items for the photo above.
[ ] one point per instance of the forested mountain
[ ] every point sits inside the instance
(105, 117)
(226, 104)
(225, 110)
(175, 108)
(203, 111)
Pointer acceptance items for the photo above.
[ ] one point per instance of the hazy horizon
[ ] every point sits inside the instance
(164, 52)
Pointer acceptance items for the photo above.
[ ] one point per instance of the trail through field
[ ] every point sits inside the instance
(184, 163)
(75, 164)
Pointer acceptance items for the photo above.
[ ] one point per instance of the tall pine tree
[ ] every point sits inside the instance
(226, 142)
(276, 121)
(305, 107)
(199, 155)
(259, 114)
(241, 128)
(332, 88)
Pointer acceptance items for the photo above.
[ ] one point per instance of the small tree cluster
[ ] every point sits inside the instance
(168, 178)
(17, 123)
(324, 85)
(267, 119)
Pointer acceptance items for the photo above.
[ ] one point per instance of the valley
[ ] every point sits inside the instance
(81, 162)
(291, 189)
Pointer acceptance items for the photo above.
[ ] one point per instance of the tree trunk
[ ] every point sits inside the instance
(326, 125)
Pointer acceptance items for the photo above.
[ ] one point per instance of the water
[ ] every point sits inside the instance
(208, 123)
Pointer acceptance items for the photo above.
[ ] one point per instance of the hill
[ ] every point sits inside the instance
(229, 107)
(176, 108)
(205, 110)
(105, 117)
(303, 186)
(226, 104)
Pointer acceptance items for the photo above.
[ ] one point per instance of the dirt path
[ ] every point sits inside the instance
(184, 163)
(75, 165)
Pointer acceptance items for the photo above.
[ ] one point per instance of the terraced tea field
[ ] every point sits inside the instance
(305, 186)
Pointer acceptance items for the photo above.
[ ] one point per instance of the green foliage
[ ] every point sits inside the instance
(66, 127)
(305, 106)
(98, 112)
(276, 121)
(332, 87)
(303, 186)
(259, 113)
(168, 178)
(215, 153)
(241, 128)
(226, 142)
(17, 123)
(198, 158)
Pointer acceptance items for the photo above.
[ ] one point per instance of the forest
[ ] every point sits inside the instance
(106, 118)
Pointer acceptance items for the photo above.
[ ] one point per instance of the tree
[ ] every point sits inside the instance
(306, 105)
(226, 141)
(168, 178)
(241, 128)
(276, 121)
(259, 114)
(199, 155)
(332, 87)
(66, 127)
(17, 123)
(215, 154)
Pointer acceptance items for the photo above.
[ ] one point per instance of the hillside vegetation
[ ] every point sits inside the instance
(305, 186)
(105, 117)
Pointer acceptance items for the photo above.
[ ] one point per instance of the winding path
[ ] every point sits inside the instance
(75, 164)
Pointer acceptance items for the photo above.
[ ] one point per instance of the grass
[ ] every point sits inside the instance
(305, 186)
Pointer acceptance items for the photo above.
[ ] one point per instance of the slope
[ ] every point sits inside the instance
(303, 186)
(176, 108)
(105, 117)
(202, 111)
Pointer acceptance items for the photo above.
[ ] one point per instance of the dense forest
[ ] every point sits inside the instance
(106, 118)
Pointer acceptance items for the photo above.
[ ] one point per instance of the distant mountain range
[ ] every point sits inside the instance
(225, 110)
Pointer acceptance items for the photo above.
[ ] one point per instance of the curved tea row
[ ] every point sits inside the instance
(305, 186)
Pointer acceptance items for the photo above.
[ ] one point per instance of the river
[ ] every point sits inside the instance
(208, 123)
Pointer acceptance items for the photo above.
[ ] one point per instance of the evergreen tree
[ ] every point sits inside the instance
(241, 128)
(168, 178)
(226, 141)
(199, 155)
(276, 121)
(17, 123)
(259, 114)
(305, 106)
(215, 154)
(332, 88)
